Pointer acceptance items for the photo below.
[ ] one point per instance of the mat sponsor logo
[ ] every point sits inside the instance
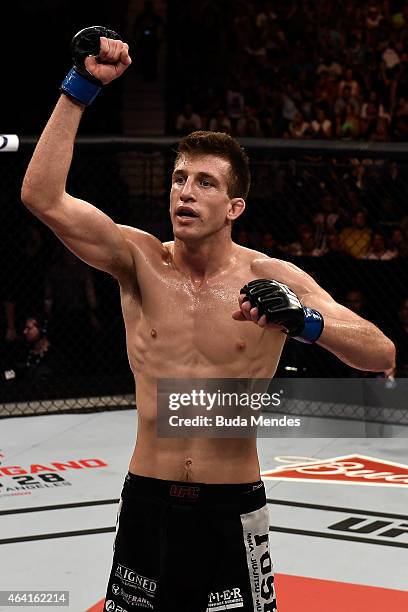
(24, 485)
(54, 466)
(225, 600)
(378, 527)
(136, 581)
(346, 469)
(21, 480)
(348, 524)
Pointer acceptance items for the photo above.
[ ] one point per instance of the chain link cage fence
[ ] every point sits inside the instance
(337, 210)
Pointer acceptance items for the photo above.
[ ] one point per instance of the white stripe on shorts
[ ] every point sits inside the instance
(255, 527)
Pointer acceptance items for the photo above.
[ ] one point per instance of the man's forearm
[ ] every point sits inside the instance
(359, 344)
(45, 179)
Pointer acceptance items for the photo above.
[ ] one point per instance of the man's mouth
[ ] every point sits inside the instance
(185, 212)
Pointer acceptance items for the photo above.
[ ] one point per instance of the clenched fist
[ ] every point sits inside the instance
(111, 62)
(100, 56)
(269, 303)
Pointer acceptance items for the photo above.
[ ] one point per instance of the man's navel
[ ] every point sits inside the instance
(187, 468)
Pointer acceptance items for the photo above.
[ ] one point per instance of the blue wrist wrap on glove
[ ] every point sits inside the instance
(79, 83)
(314, 324)
(79, 87)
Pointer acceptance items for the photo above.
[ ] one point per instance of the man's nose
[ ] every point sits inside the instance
(187, 191)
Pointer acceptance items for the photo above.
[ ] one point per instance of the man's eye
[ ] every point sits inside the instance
(179, 180)
(205, 183)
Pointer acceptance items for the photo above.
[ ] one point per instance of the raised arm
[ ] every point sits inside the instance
(357, 342)
(84, 229)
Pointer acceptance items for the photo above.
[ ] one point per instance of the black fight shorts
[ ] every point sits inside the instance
(191, 547)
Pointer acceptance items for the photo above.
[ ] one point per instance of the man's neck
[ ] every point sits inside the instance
(201, 260)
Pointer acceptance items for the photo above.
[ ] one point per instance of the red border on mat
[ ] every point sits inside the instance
(97, 607)
(296, 593)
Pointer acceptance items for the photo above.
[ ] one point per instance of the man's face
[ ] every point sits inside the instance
(199, 200)
(31, 331)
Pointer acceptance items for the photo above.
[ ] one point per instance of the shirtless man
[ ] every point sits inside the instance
(202, 545)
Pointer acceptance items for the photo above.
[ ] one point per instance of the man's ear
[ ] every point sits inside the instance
(237, 207)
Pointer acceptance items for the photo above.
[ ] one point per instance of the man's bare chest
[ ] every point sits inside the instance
(191, 322)
(179, 297)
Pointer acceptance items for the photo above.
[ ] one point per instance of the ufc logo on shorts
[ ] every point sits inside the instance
(184, 492)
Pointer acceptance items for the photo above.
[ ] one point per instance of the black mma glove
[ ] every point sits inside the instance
(282, 306)
(79, 83)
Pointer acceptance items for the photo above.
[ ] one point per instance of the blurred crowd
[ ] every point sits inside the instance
(293, 69)
(59, 321)
(356, 207)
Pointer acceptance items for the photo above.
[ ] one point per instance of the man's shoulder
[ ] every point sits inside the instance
(287, 273)
(275, 265)
(259, 262)
(140, 238)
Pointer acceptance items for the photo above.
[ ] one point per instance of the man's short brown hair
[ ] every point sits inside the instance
(221, 145)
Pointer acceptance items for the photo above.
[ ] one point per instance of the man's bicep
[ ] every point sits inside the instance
(91, 235)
